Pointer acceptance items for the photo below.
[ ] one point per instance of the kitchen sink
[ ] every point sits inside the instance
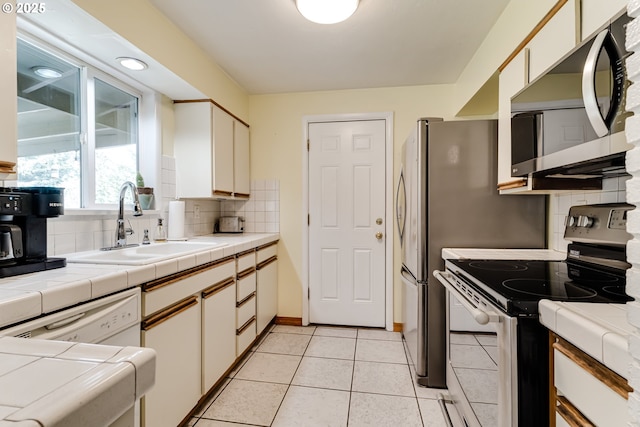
(141, 255)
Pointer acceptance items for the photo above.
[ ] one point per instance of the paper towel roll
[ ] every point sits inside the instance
(176, 220)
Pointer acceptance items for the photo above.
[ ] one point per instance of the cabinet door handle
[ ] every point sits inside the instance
(571, 415)
(218, 287)
(245, 299)
(245, 273)
(605, 375)
(222, 193)
(266, 262)
(169, 312)
(245, 326)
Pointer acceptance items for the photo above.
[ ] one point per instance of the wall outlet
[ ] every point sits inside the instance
(196, 211)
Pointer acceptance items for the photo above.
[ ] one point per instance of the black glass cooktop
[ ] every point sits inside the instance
(519, 285)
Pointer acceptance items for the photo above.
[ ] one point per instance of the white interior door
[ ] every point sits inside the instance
(347, 223)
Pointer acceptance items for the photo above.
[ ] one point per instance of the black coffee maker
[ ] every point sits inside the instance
(23, 228)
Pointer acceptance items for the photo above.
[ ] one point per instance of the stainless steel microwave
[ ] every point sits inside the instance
(570, 120)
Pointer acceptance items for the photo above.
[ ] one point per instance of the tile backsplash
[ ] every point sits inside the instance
(78, 231)
(613, 191)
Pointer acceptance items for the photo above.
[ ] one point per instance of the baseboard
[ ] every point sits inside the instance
(297, 321)
(290, 321)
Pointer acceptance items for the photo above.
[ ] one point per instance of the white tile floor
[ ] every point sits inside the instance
(323, 376)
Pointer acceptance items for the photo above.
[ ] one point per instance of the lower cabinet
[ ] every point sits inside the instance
(587, 393)
(218, 328)
(267, 286)
(174, 333)
(246, 301)
(198, 338)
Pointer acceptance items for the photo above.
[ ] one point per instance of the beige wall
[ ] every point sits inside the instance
(148, 29)
(276, 152)
(515, 23)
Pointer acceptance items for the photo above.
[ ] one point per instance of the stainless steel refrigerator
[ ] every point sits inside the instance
(447, 197)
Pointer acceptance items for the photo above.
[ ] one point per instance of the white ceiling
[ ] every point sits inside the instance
(268, 47)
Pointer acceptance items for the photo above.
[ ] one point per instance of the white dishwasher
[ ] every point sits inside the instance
(111, 320)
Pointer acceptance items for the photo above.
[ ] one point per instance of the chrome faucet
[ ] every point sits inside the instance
(121, 231)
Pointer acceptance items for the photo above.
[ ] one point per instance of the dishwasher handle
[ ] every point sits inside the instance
(64, 322)
(479, 315)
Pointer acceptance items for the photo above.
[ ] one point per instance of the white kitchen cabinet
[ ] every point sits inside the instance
(218, 325)
(8, 89)
(241, 160)
(512, 79)
(208, 162)
(267, 285)
(586, 392)
(174, 333)
(559, 35)
(555, 39)
(598, 13)
(245, 301)
(192, 338)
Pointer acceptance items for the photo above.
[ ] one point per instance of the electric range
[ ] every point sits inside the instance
(497, 372)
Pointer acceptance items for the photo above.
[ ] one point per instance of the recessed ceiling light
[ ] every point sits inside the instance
(47, 72)
(132, 63)
(327, 11)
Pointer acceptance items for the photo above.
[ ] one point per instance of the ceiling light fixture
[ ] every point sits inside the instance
(132, 63)
(326, 11)
(47, 72)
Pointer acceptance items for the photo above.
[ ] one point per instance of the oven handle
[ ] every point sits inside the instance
(479, 315)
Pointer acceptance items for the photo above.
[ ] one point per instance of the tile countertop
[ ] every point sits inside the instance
(600, 330)
(30, 295)
(55, 383)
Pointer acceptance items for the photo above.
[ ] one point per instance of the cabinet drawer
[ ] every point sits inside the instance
(267, 252)
(246, 260)
(594, 399)
(245, 336)
(246, 310)
(246, 283)
(164, 292)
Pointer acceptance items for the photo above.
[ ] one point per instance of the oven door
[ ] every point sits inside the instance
(481, 354)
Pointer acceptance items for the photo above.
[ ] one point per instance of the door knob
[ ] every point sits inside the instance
(378, 235)
(379, 221)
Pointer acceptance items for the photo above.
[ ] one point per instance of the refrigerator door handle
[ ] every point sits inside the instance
(407, 276)
(401, 206)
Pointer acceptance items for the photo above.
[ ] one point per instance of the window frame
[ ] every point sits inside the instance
(148, 141)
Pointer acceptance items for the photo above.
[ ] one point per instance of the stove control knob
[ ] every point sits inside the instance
(572, 221)
(585, 221)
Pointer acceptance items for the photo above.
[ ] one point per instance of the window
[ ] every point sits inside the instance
(77, 128)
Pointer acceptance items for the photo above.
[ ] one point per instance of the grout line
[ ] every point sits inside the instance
(291, 380)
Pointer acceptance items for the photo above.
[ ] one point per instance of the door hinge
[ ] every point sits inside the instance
(308, 219)
(308, 145)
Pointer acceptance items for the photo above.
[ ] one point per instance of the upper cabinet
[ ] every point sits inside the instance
(212, 152)
(241, 160)
(512, 79)
(596, 13)
(555, 39)
(8, 89)
(549, 43)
